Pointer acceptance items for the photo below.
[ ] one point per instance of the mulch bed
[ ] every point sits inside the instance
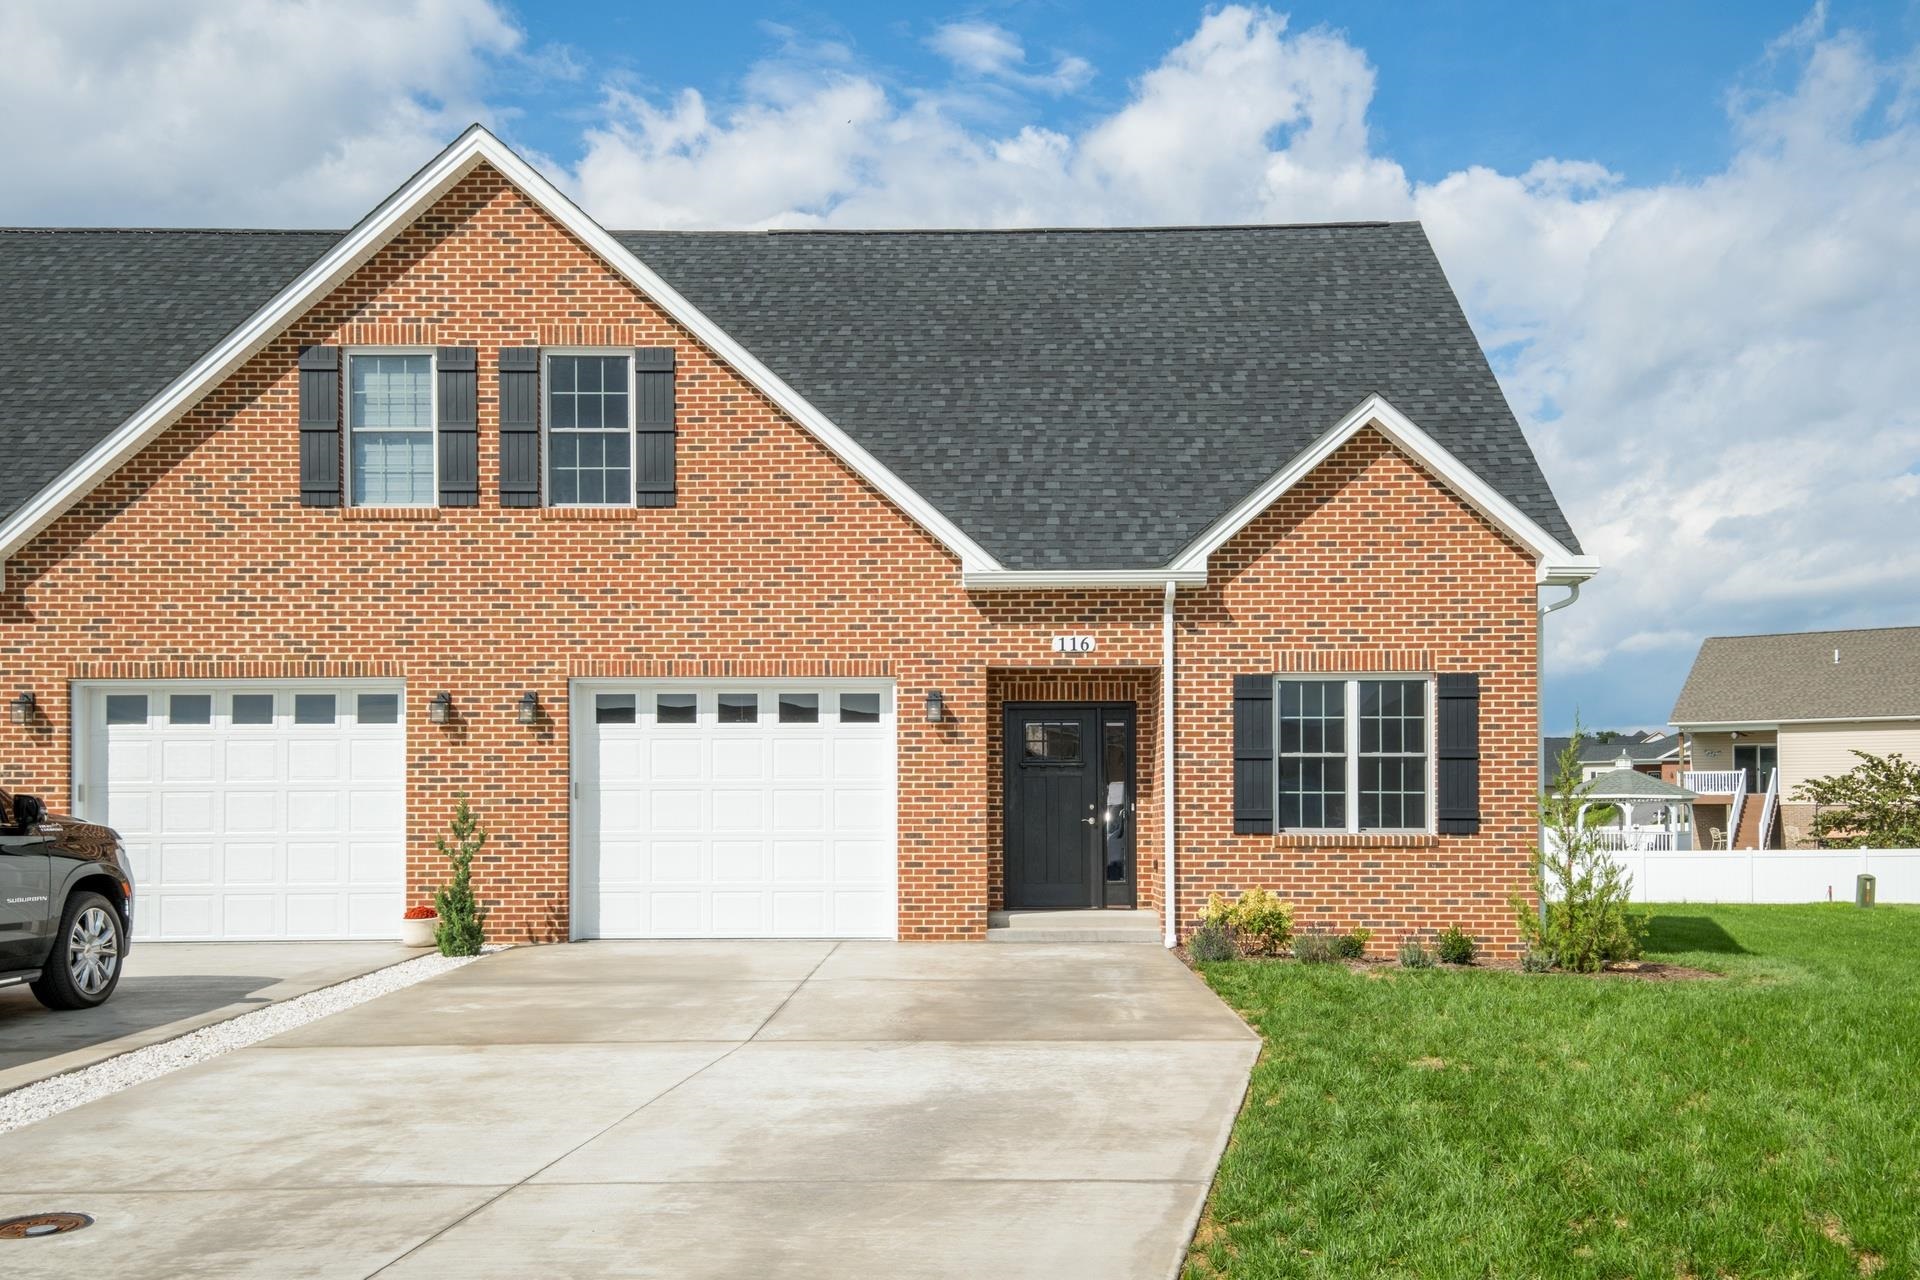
(1630, 970)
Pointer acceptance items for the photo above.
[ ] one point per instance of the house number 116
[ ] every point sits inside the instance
(1073, 644)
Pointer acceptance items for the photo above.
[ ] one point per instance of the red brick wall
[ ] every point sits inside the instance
(196, 560)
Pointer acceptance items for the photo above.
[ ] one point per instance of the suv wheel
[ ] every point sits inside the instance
(84, 967)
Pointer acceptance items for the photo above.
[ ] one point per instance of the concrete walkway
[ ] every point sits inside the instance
(169, 989)
(677, 1110)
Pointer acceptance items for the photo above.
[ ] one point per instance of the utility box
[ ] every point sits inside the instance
(1863, 887)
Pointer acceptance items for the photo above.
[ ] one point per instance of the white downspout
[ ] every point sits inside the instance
(1540, 720)
(1170, 898)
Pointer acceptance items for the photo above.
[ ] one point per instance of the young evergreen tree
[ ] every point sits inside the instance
(462, 927)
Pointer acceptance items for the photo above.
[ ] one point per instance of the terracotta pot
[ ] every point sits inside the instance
(418, 933)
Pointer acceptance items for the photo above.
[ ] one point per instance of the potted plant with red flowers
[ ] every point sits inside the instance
(417, 926)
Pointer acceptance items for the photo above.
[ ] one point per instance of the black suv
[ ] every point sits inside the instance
(66, 905)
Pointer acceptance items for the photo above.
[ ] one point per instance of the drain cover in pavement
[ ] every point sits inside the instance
(34, 1225)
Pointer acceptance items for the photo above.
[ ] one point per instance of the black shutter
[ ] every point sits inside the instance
(1457, 807)
(458, 370)
(520, 426)
(653, 464)
(319, 426)
(1253, 777)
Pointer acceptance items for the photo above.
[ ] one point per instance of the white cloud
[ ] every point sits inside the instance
(995, 53)
(233, 111)
(1715, 371)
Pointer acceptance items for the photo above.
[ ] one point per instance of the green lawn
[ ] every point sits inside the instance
(1480, 1123)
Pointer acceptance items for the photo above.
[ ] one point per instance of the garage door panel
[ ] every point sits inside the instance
(182, 811)
(255, 812)
(186, 762)
(249, 863)
(253, 758)
(739, 862)
(740, 799)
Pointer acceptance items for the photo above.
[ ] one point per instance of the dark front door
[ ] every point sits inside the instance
(1069, 805)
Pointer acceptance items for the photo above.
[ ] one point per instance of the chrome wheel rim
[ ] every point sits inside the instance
(93, 950)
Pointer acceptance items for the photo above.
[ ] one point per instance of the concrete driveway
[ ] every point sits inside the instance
(677, 1110)
(169, 989)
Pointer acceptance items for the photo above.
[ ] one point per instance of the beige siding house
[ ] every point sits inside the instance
(1763, 714)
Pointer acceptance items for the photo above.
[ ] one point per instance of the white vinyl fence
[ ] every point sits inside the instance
(1771, 875)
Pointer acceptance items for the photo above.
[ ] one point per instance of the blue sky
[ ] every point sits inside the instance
(1688, 234)
(1636, 85)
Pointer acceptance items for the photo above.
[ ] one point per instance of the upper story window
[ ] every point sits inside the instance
(589, 429)
(390, 436)
(1354, 755)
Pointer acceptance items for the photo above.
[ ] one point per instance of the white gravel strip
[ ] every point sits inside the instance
(59, 1093)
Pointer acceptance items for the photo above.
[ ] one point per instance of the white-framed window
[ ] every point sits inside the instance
(392, 458)
(587, 421)
(1354, 753)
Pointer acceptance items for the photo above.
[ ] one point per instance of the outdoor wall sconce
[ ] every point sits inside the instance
(440, 707)
(936, 707)
(21, 709)
(529, 707)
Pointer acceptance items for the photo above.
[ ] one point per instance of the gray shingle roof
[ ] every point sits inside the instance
(1631, 784)
(1764, 679)
(93, 324)
(1070, 399)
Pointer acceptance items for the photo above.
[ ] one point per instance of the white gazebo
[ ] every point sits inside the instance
(1654, 816)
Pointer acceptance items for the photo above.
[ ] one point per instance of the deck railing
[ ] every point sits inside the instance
(1769, 809)
(1614, 840)
(1714, 782)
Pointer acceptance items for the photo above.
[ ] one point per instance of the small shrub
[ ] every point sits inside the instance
(1580, 912)
(1353, 946)
(462, 927)
(1536, 961)
(1456, 946)
(1261, 923)
(1212, 943)
(1316, 948)
(1415, 956)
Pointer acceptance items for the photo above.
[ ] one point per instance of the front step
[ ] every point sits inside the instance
(1111, 925)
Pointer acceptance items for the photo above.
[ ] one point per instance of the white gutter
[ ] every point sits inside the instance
(1078, 579)
(1170, 898)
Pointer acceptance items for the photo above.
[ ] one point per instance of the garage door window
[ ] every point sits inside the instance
(799, 708)
(613, 708)
(859, 708)
(126, 708)
(313, 708)
(190, 708)
(379, 708)
(676, 708)
(739, 708)
(253, 708)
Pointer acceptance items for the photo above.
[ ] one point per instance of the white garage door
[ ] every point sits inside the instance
(734, 810)
(253, 810)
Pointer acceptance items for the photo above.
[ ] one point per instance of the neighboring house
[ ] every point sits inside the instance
(1646, 750)
(1763, 714)
(768, 584)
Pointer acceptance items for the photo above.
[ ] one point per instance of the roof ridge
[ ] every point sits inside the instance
(1827, 631)
(1353, 224)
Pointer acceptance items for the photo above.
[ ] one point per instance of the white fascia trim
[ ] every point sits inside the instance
(1557, 566)
(1089, 579)
(467, 152)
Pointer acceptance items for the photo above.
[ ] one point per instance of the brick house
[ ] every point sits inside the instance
(772, 584)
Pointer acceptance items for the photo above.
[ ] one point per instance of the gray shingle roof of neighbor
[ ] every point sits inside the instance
(1070, 398)
(1794, 676)
(1631, 784)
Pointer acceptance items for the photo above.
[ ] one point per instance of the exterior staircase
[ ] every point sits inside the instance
(1111, 925)
(1748, 836)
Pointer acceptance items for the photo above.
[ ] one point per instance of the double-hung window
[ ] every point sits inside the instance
(390, 438)
(1354, 755)
(589, 429)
